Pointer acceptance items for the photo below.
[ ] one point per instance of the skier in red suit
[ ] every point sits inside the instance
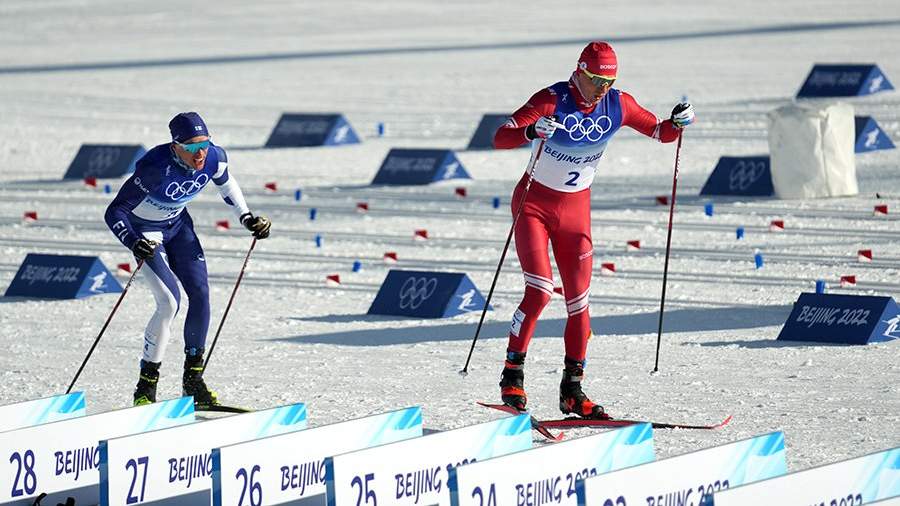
(568, 125)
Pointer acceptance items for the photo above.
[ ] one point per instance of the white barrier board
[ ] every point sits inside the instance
(38, 411)
(62, 458)
(848, 483)
(548, 474)
(689, 478)
(174, 466)
(416, 471)
(290, 469)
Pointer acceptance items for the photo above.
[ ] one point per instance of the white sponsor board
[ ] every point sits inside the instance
(290, 469)
(38, 411)
(417, 471)
(62, 458)
(690, 478)
(174, 466)
(848, 483)
(548, 475)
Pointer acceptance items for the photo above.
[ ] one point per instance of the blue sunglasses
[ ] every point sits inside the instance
(194, 147)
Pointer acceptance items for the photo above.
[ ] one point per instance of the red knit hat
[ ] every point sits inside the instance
(599, 58)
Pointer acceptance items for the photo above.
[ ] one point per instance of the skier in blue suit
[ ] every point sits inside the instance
(149, 217)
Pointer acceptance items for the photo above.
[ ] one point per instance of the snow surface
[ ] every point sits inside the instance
(74, 72)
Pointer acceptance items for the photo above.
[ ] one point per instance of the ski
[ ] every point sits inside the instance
(576, 423)
(538, 426)
(572, 423)
(219, 408)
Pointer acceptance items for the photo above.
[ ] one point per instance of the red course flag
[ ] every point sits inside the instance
(776, 226)
(461, 191)
(864, 255)
(607, 269)
(662, 200)
(333, 280)
(124, 269)
(272, 187)
(90, 181)
(390, 257)
(881, 209)
(848, 281)
(362, 207)
(29, 216)
(421, 234)
(222, 225)
(633, 246)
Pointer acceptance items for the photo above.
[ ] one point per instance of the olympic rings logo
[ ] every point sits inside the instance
(587, 127)
(177, 191)
(102, 158)
(416, 291)
(744, 174)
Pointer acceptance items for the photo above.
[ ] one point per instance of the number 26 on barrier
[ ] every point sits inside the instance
(250, 488)
(364, 492)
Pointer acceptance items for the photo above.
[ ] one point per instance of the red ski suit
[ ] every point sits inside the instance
(557, 207)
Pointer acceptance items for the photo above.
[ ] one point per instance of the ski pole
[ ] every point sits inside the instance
(228, 307)
(102, 330)
(465, 370)
(662, 300)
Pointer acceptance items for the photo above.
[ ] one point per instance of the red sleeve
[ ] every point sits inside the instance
(644, 121)
(512, 133)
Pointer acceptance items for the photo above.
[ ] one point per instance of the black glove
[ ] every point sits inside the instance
(682, 115)
(144, 249)
(259, 225)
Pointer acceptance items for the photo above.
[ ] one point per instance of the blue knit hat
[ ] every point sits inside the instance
(187, 125)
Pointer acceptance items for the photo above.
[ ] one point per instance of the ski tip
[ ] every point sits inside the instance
(724, 422)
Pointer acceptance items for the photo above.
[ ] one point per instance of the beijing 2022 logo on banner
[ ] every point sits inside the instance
(745, 173)
(415, 291)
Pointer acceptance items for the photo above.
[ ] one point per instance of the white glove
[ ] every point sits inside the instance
(544, 127)
(682, 115)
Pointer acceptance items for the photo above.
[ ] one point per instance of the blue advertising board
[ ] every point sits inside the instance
(740, 175)
(61, 277)
(425, 294)
(870, 136)
(483, 138)
(842, 319)
(104, 160)
(419, 166)
(844, 81)
(303, 130)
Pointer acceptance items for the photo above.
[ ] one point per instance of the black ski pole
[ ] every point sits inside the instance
(228, 307)
(102, 330)
(465, 370)
(662, 300)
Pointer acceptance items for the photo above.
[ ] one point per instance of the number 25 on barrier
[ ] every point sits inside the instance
(365, 494)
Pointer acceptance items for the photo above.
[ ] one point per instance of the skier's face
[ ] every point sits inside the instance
(197, 158)
(592, 89)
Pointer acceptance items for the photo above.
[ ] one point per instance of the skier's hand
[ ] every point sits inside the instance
(544, 128)
(682, 115)
(144, 249)
(259, 225)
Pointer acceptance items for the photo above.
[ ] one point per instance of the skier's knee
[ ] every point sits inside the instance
(534, 301)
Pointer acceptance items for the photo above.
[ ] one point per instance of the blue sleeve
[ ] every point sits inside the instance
(144, 180)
